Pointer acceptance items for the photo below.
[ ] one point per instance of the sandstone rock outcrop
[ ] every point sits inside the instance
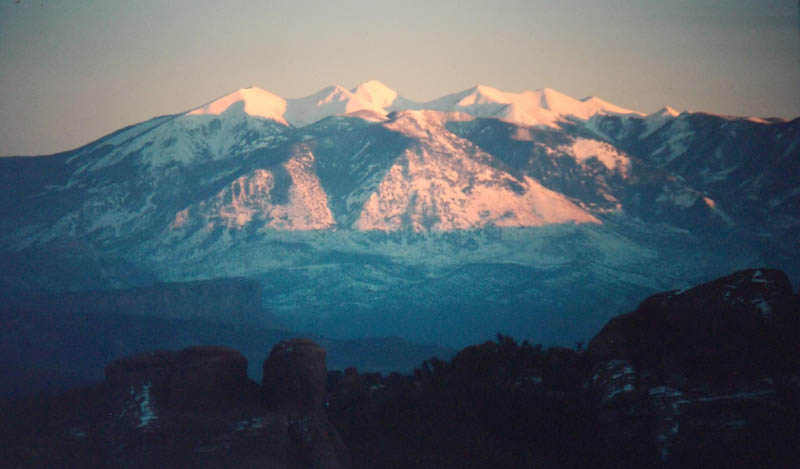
(706, 375)
(294, 383)
(191, 408)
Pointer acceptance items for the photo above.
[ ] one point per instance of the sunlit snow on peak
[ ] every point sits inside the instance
(257, 102)
(376, 93)
(665, 111)
(327, 102)
(545, 107)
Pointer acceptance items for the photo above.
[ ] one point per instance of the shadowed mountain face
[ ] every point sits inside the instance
(361, 213)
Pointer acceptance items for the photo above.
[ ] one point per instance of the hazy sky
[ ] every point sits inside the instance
(74, 70)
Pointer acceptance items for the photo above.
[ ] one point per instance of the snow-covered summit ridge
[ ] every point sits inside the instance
(335, 100)
(257, 102)
(376, 93)
(665, 111)
(545, 107)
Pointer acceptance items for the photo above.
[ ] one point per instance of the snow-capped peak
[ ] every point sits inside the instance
(544, 107)
(596, 105)
(257, 102)
(376, 93)
(556, 101)
(665, 111)
(327, 102)
(658, 119)
(481, 94)
(471, 100)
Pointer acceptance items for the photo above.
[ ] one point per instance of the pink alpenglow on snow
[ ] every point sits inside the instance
(257, 102)
(545, 107)
(442, 183)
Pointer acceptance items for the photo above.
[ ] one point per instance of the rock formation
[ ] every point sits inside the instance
(706, 375)
(191, 408)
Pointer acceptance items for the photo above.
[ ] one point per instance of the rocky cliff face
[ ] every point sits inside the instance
(192, 408)
(706, 374)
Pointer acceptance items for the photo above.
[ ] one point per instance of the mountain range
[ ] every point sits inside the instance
(362, 213)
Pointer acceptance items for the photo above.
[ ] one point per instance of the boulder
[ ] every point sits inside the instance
(295, 376)
(208, 377)
(294, 383)
(200, 378)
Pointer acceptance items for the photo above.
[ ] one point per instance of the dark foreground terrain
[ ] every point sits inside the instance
(706, 377)
(53, 343)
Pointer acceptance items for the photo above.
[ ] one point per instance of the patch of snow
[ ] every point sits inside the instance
(77, 433)
(448, 190)
(682, 291)
(658, 120)
(763, 307)
(307, 208)
(146, 414)
(758, 277)
(248, 198)
(584, 149)
(677, 144)
(254, 423)
(740, 395)
(625, 371)
(683, 198)
(628, 387)
(664, 391)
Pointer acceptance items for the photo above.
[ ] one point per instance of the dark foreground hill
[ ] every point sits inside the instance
(705, 377)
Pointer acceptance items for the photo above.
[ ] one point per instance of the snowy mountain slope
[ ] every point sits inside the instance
(445, 184)
(364, 213)
(747, 166)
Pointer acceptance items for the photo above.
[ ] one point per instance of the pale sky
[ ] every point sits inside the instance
(72, 71)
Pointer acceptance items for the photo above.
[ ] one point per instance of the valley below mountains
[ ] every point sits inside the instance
(361, 213)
